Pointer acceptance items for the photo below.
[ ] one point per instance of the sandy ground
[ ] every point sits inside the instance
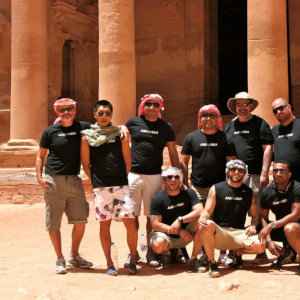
(27, 265)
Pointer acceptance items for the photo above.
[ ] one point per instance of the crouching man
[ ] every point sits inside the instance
(227, 204)
(174, 216)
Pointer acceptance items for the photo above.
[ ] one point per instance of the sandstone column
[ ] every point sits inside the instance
(117, 79)
(29, 74)
(267, 53)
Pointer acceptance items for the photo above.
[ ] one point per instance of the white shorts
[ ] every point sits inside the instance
(142, 189)
(113, 203)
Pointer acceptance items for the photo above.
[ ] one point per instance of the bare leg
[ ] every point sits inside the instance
(55, 237)
(208, 239)
(105, 239)
(292, 233)
(197, 245)
(148, 229)
(132, 235)
(77, 235)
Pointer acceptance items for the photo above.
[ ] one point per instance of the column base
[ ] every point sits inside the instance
(17, 153)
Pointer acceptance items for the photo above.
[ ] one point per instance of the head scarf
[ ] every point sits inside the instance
(211, 109)
(62, 102)
(236, 163)
(153, 98)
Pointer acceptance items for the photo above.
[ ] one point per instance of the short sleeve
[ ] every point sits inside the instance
(193, 196)
(45, 140)
(186, 147)
(264, 203)
(297, 192)
(156, 205)
(170, 133)
(265, 133)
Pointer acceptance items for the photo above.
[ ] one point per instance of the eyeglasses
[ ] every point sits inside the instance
(104, 113)
(279, 108)
(237, 169)
(170, 177)
(280, 171)
(152, 104)
(208, 115)
(65, 109)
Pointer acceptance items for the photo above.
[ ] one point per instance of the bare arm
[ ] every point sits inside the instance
(185, 159)
(85, 157)
(294, 216)
(126, 152)
(173, 154)
(157, 224)
(210, 204)
(250, 230)
(267, 158)
(39, 165)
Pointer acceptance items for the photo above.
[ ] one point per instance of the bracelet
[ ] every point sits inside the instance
(273, 225)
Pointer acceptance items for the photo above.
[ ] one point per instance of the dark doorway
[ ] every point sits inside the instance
(68, 89)
(232, 55)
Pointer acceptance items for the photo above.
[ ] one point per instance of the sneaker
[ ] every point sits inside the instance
(194, 265)
(287, 257)
(111, 271)
(203, 263)
(130, 265)
(60, 267)
(261, 258)
(79, 262)
(225, 260)
(213, 270)
(152, 259)
(236, 261)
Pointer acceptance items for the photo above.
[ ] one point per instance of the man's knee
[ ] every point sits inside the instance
(208, 228)
(291, 229)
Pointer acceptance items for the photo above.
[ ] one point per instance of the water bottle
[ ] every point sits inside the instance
(114, 255)
(143, 245)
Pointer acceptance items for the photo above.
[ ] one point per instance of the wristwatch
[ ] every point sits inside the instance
(180, 220)
(273, 225)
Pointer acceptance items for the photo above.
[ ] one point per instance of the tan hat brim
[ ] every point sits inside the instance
(231, 103)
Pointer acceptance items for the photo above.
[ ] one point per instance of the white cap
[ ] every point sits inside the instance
(172, 171)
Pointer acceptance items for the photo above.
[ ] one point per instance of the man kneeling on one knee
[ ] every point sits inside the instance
(175, 212)
(227, 204)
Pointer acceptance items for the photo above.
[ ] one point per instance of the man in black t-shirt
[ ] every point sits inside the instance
(282, 197)
(63, 191)
(209, 149)
(150, 134)
(252, 138)
(286, 136)
(106, 161)
(227, 204)
(174, 216)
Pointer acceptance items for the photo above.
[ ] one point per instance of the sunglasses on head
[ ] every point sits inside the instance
(104, 113)
(65, 109)
(154, 104)
(170, 177)
(279, 108)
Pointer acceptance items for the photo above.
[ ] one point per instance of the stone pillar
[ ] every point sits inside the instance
(117, 77)
(267, 54)
(29, 72)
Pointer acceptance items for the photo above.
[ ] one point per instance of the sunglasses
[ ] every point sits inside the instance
(279, 108)
(170, 177)
(104, 113)
(152, 104)
(208, 115)
(237, 169)
(280, 171)
(65, 109)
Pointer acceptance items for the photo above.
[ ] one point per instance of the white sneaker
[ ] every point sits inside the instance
(60, 266)
(79, 262)
(224, 259)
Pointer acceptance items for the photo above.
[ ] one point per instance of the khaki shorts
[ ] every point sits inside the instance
(178, 242)
(113, 203)
(234, 239)
(65, 194)
(142, 189)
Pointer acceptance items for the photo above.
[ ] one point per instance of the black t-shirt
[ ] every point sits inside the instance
(172, 207)
(287, 145)
(208, 156)
(280, 203)
(248, 139)
(63, 144)
(232, 205)
(148, 141)
(107, 164)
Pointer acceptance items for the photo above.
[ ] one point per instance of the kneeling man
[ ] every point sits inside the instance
(227, 204)
(174, 216)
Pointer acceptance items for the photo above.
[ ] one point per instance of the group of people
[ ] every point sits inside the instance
(229, 179)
